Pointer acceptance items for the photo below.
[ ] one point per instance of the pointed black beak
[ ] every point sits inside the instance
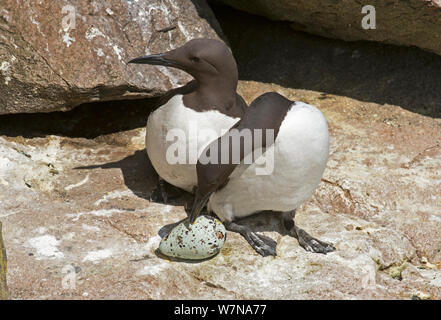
(198, 205)
(155, 59)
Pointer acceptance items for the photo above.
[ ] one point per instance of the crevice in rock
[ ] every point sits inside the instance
(346, 192)
(89, 120)
(272, 52)
(419, 156)
(210, 17)
(212, 285)
(42, 58)
(122, 230)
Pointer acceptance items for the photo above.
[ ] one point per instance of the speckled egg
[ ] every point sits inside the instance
(197, 241)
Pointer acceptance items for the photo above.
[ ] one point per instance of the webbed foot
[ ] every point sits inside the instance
(263, 245)
(306, 241)
(311, 244)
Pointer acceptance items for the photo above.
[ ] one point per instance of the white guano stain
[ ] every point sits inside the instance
(153, 269)
(36, 23)
(96, 6)
(90, 228)
(3, 182)
(68, 236)
(71, 186)
(95, 256)
(152, 243)
(166, 209)
(138, 140)
(98, 213)
(99, 52)
(166, 72)
(67, 39)
(435, 218)
(113, 195)
(41, 230)
(46, 247)
(118, 52)
(5, 14)
(35, 165)
(184, 31)
(93, 32)
(47, 154)
(5, 70)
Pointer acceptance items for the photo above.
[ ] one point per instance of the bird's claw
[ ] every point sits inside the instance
(313, 245)
(263, 245)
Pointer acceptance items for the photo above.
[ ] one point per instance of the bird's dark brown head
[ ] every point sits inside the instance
(207, 60)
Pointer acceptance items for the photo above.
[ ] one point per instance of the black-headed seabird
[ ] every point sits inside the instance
(209, 102)
(299, 151)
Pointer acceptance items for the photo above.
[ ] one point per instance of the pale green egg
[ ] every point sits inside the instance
(197, 241)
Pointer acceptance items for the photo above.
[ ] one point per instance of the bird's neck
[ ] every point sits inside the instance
(212, 95)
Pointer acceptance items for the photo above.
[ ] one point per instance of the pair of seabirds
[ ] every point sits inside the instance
(232, 191)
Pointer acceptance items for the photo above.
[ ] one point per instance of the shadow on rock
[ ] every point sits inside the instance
(273, 52)
(264, 221)
(204, 12)
(141, 178)
(88, 120)
(165, 230)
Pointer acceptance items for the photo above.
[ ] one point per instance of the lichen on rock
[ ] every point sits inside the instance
(3, 261)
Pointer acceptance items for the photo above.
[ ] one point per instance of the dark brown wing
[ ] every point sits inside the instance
(266, 113)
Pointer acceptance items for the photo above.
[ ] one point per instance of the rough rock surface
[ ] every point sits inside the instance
(409, 23)
(78, 223)
(50, 61)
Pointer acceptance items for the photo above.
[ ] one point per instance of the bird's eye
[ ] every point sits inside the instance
(195, 59)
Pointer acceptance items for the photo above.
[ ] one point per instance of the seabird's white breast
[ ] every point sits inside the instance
(300, 154)
(175, 115)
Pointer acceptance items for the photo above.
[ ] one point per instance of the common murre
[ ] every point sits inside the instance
(209, 102)
(299, 150)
